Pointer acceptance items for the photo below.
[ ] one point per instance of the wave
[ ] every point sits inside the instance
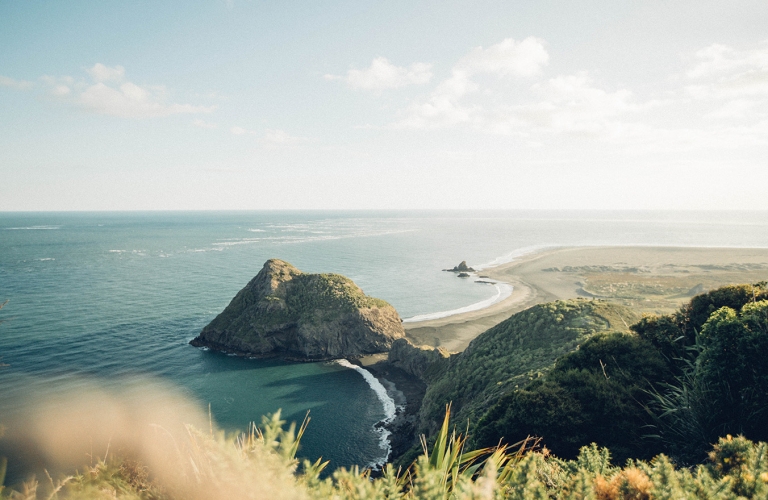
(503, 290)
(390, 410)
(512, 256)
(33, 228)
(321, 236)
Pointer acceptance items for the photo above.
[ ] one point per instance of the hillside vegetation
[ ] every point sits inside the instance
(574, 373)
(514, 352)
(261, 464)
(555, 392)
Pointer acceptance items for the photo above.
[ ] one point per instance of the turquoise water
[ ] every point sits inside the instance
(112, 295)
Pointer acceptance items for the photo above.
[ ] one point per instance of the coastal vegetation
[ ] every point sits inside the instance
(550, 401)
(573, 373)
(513, 353)
(262, 464)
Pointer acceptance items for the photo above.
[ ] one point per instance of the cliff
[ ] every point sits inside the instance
(283, 311)
(415, 360)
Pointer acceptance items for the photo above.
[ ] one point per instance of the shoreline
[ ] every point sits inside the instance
(559, 273)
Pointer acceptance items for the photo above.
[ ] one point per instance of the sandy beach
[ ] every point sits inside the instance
(651, 280)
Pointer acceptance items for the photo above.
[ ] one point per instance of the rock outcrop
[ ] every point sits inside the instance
(461, 268)
(414, 360)
(285, 312)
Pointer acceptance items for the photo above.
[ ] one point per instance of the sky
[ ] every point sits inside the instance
(249, 105)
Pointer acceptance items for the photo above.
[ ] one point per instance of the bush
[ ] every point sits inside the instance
(595, 394)
(723, 388)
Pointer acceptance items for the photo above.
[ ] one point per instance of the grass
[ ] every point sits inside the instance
(262, 464)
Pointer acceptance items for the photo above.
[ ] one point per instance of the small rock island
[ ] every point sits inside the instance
(461, 268)
(285, 312)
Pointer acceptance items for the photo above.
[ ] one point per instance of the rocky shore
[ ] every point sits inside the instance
(404, 373)
(408, 392)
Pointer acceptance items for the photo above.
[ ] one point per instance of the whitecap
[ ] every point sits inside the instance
(305, 239)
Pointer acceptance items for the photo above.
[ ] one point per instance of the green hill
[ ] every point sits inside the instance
(513, 353)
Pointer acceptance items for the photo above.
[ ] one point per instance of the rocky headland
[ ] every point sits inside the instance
(285, 312)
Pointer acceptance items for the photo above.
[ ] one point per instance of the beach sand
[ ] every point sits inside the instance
(653, 280)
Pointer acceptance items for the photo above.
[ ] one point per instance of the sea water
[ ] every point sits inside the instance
(106, 296)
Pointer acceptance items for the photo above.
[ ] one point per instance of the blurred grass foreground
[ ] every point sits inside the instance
(190, 462)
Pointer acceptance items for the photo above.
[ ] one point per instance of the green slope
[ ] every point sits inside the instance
(512, 353)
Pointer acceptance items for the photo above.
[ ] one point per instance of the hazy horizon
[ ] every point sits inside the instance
(242, 105)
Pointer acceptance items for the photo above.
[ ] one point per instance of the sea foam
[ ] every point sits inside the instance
(390, 410)
(503, 290)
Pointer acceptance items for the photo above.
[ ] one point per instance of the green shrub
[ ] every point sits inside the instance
(595, 394)
(511, 354)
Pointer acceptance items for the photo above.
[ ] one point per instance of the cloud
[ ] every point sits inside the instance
(573, 104)
(271, 137)
(204, 124)
(726, 73)
(109, 94)
(280, 137)
(101, 73)
(15, 84)
(505, 59)
(382, 75)
(720, 59)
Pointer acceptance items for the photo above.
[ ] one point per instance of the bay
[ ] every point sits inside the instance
(108, 296)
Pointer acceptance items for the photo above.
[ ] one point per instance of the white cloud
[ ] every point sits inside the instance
(133, 101)
(270, 138)
(724, 84)
(572, 104)
(15, 84)
(506, 58)
(382, 75)
(443, 107)
(720, 59)
(280, 137)
(204, 124)
(101, 73)
(109, 94)
(726, 73)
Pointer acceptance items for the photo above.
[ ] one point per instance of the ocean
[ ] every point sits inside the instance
(114, 296)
